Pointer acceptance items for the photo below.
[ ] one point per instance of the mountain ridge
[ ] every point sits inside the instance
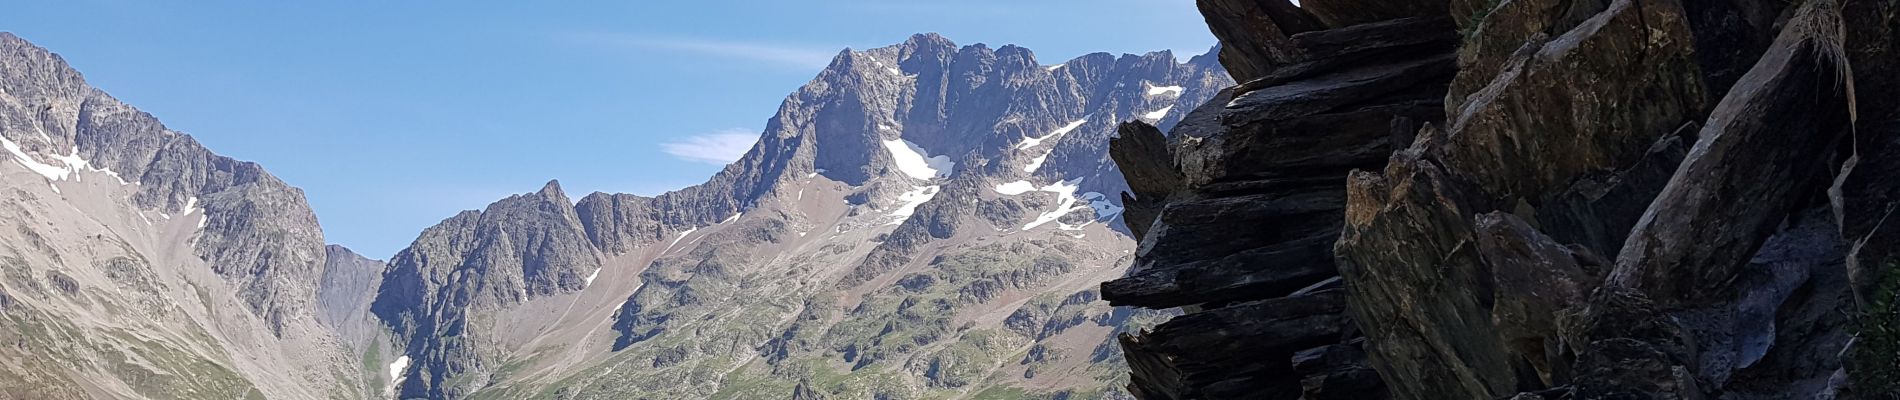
(890, 133)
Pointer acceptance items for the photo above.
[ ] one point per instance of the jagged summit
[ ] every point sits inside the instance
(126, 240)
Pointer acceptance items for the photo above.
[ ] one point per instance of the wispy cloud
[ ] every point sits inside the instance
(717, 148)
(788, 55)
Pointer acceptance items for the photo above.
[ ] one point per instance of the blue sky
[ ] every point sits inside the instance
(393, 115)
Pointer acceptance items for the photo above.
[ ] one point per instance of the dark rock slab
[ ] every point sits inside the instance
(1268, 271)
(1244, 351)
(1416, 284)
(1502, 138)
(1536, 279)
(1255, 35)
(1344, 14)
(1372, 43)
(1321, 144)
(1141, 152)
(1331, 91)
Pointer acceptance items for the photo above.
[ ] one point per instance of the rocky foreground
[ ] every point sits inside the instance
(1526, 199)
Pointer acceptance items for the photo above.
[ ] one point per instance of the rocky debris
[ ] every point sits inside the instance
(1251, 230)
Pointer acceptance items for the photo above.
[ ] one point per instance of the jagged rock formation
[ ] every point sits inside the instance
(135, 263)
(1247, 237)
(1625, 199)
(920, 221)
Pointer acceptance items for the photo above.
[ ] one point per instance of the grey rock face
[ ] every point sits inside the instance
(259, 233)
(518, 249)
(344, 294)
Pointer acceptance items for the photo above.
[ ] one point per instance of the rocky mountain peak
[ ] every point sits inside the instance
(889, 159)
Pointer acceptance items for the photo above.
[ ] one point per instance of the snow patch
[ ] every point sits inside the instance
(202, 220)
(1158, 114)
(1033, 142)
(590, 277)
(52, 173)
(1068, 201)
(397, 368)
(676, 240)
(1055, 67)
(913, 161)
(1036, 163)
(1165, 90)
(1104, 209)
(734, 217)
(908, 202)
(73, 164)
(1065, 195)
(1015, 188)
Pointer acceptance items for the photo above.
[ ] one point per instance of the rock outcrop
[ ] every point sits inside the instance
(1247, 238)
(1623, 199)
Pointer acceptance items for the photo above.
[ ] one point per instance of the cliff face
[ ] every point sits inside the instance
(1539, 199)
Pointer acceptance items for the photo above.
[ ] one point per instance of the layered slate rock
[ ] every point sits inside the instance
(1625, 199)
(1424, 295)
(1245, 239)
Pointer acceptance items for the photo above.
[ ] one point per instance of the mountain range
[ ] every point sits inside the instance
(923, 220)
